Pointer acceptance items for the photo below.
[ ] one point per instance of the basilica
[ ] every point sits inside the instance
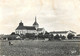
(21, 29)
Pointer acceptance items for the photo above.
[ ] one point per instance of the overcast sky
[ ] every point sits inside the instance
(51, 14)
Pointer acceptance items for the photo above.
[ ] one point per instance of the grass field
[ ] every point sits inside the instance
(39, 48)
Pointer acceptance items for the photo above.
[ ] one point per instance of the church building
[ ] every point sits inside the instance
(21, 29)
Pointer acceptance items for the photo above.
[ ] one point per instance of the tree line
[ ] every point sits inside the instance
(46, 35)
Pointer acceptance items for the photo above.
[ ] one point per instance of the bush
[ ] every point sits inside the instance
(30, 36)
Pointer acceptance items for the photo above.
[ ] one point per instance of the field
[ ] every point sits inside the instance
(39, 48)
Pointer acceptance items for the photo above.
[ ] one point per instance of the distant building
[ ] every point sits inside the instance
(10, 37)
(21, 29)
(63, 33)
(1, 35)
(77, 36)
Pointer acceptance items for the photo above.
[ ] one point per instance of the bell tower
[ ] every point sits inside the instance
(21, 24)
(35, 24)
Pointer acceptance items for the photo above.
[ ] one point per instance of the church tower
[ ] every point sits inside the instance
(21, 24)
(35, 24)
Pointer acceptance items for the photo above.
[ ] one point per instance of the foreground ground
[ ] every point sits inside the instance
(39, 48)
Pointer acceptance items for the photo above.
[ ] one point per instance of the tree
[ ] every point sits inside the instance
(63, 37)
(40, 36)
(57, 37)
(46, 35)
(70, 36)
(60, 36)
(30, 36)
(51, 37)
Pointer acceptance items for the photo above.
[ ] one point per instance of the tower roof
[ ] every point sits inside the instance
(35, 23)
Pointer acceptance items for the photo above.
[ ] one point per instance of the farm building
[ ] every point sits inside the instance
(63, 33)
(77, 37)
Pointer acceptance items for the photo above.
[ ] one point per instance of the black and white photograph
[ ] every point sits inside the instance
(39, 27)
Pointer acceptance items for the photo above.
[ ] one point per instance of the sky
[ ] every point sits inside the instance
(53, 15)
